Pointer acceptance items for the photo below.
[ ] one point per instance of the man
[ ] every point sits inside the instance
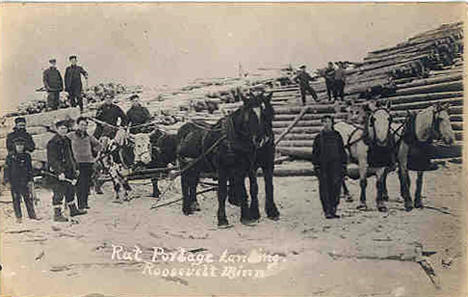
(340, 81)
(329, 159)
(19, 131)
(330, 80)
(53, 84)
(138, 115)
(83, 146)
(62, 165)
(303, 79)
(109, 113)
(73, 82)
(18, 172)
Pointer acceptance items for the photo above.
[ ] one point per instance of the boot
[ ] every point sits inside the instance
(74, 211)
(58, 217)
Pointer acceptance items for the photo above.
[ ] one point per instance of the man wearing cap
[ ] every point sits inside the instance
(83, 147)
(18, 172)
(73, 83)
(109, 113)
(19, 131)
(53, 84)
(329, 159)
(63, 166)
(340, 81)
(303, 79)
(138, 115)
(330, 81)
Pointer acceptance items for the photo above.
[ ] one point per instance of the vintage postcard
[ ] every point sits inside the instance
(232, 149)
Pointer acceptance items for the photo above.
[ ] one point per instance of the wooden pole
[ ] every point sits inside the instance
(296, 120)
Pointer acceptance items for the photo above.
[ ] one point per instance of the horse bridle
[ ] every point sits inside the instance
(371, 123)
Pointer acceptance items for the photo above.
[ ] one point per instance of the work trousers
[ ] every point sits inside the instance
(84, 183)
(53, 100)
(339, 89)
(22, 192)
(306, 88)
(330, 88)
(63, 189)
(76, 98)
(330, 180)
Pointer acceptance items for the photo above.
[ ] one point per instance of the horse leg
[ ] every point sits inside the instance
(417, 196)
(156, 192)
(270, 206)
(380, 177)
(404, 177)
(346, 195)
(222, 194)
(194, 206)
(363, 183)
(185, 185)
(384, 186)
(253, 185)
(232, 198)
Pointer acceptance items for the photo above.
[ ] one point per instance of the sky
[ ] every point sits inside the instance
(155, 44)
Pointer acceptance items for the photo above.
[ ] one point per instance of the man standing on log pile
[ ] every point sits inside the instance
(329, 159)
(330, 81)
(19, 131)
(53, 84)
(340, 81)
(73, 83)
(63, 166)
(303, 79)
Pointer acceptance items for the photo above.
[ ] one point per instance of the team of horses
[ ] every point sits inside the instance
(237, 145)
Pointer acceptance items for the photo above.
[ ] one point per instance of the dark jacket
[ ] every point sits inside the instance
(60, 156)
(138, 115)
(73, 77)
(328, 147)
(29, 146)
(109, 113)
(303, 78)
(330, 73)
(52, 80)
(18, 169)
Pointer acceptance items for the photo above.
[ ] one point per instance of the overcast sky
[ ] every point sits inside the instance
(153, 44)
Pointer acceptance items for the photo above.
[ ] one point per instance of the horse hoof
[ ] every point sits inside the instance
(408, 208)
(362, 207)
(156, 195)
(249, 222)
(349, 199)
(223, 224)
(274, 218)
(419, 205)
(385, 198)
(255, 216)
(187, 212)
(382, 209)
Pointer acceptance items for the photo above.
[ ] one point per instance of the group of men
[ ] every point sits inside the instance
(71, 155)
(335, 80)
(53, 83)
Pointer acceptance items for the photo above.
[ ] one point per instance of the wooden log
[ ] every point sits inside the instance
(308, 117)
(317, 108)
(304, 130)
(421, 105)
(440, 87)
(423, 97)
(299, 136)
(432, 80)
(297, 143)
(284, 124)
(291, 126)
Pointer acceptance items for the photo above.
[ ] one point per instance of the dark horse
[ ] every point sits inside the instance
(149, 151)
(265, 159)
(227, 148)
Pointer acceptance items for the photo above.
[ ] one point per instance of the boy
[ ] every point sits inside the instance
(18, 173)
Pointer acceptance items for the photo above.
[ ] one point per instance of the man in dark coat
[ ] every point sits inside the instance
(53, 84)
(19, 173)
(330, 81)
(329, 159)
(138, 115)
(109, 113)
(73, 83)
(303, 79)
(63, 166)
(340, 82)
(19, 131)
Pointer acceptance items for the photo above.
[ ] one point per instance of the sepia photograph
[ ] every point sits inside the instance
(232, 149)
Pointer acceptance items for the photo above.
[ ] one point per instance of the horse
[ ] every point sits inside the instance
(264, 159)
(147, 150)
(413, 144)
(369, 147)
(227, 148)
